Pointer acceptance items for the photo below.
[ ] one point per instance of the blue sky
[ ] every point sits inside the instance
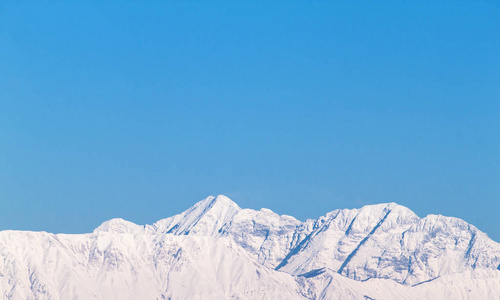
(138, 110)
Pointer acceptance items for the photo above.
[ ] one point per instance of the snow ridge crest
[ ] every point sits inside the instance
(377, 251)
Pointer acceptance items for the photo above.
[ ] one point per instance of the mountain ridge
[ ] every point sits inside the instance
(217, 250)
(363, 221)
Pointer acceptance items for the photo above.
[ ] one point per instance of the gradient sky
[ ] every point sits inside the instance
(140, 109)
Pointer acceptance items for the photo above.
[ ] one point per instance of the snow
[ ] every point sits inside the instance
(217, 250)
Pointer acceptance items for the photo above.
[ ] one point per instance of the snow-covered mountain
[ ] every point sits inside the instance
(216, 250)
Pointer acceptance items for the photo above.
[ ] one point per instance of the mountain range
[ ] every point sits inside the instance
(217, 250)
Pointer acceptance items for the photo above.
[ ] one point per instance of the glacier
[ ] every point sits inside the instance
(217, 250)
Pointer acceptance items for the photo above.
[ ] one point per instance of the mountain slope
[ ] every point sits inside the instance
(216, 250)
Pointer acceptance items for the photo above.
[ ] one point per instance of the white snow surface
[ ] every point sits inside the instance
(216, 250)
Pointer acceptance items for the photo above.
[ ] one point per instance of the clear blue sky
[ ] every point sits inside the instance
(139, 109)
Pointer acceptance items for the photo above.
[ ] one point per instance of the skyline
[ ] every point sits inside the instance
(125, 110)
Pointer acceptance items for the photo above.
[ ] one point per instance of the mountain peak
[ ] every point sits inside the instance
(220, 201)
(119, 225)
(206, 217)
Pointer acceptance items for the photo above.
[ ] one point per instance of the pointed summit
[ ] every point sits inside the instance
(206, 217)
(219, 201)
